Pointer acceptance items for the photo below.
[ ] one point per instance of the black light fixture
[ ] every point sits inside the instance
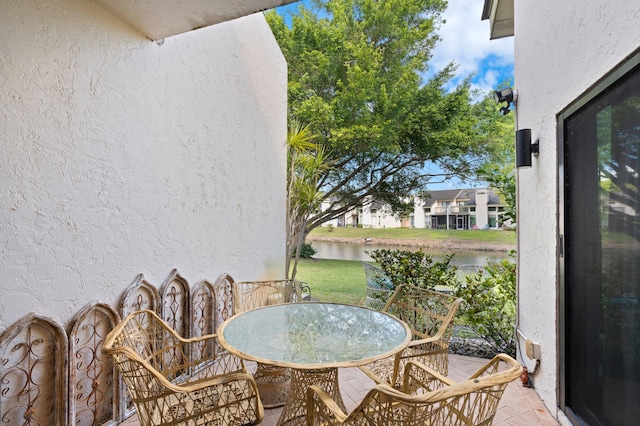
(524, 148)
(504, 95)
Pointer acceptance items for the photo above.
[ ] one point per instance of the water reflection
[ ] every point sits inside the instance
(350, 251)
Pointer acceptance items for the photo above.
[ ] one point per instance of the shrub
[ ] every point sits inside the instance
(330, 227)
(490, 307)
(415, 267)
(307, 251)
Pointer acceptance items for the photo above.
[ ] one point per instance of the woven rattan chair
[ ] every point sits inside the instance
(273, 382)
(430, 316)
(249, 295)
(430, 399)
(176, 381)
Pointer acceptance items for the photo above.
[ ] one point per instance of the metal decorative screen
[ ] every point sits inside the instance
(93, 396)
(33, 373)
(58, 375)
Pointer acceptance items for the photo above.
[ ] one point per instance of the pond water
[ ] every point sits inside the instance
(351, 251)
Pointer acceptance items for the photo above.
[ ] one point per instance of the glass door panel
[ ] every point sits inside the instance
(602, 256)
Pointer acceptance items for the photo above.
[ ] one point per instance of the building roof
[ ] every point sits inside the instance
(158, 19)
(500, 15)
(443, 195)
(468, 194)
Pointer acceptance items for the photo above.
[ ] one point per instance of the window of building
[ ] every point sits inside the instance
(600, 268)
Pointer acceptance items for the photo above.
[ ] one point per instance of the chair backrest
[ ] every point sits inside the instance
(471, 402)
(428, 313)
(434, 402)
(147, 352)
(171, 386)
(379, 286)
(249, 295)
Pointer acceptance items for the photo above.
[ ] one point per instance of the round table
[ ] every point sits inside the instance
(314, 340)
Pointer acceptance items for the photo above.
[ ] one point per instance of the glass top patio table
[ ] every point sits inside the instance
(314, 335)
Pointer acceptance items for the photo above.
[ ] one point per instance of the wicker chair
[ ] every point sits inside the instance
(273, 382)
(176, 381)
(430, 316)
(428, 399)
(249, 295)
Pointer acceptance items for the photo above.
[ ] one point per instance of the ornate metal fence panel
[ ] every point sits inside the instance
(202, 308)
(202, 323)
(174, 309)
(139, 295)
(223, 309)
(223, 292)
(33, 373)
(93, 391)
(49, 377)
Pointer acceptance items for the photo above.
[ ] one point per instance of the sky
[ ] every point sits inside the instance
(465, 41)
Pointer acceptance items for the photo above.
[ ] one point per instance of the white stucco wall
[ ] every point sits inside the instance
(482, 208)
(561, 49)
(420, 220)
(121, 156)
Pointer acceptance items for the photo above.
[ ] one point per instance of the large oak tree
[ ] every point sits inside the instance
(357, 78)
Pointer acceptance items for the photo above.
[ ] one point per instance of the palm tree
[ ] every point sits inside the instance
(306, 163)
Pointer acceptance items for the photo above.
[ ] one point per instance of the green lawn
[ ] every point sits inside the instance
(502, 237)
(340, 281)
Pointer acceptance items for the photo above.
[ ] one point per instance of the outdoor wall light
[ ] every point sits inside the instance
(524, 148)
(504, 95)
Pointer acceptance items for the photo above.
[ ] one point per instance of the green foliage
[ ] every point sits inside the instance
(415, 267)
(356, 72)
(498, 167)
(503, 180)
(496, 129)
(307, 251)
(490, 304)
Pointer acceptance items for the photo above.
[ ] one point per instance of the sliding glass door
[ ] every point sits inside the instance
(600, 312)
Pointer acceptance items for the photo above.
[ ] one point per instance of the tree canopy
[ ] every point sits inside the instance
(357, 78)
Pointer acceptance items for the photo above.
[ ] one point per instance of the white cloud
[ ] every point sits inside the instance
(465, 41)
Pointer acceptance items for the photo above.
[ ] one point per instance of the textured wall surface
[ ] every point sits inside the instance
(121, 156)
(560, 51)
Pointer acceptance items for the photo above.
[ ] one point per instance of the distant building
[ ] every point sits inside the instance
(459, 209)
(380, 215)
(448, 209)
